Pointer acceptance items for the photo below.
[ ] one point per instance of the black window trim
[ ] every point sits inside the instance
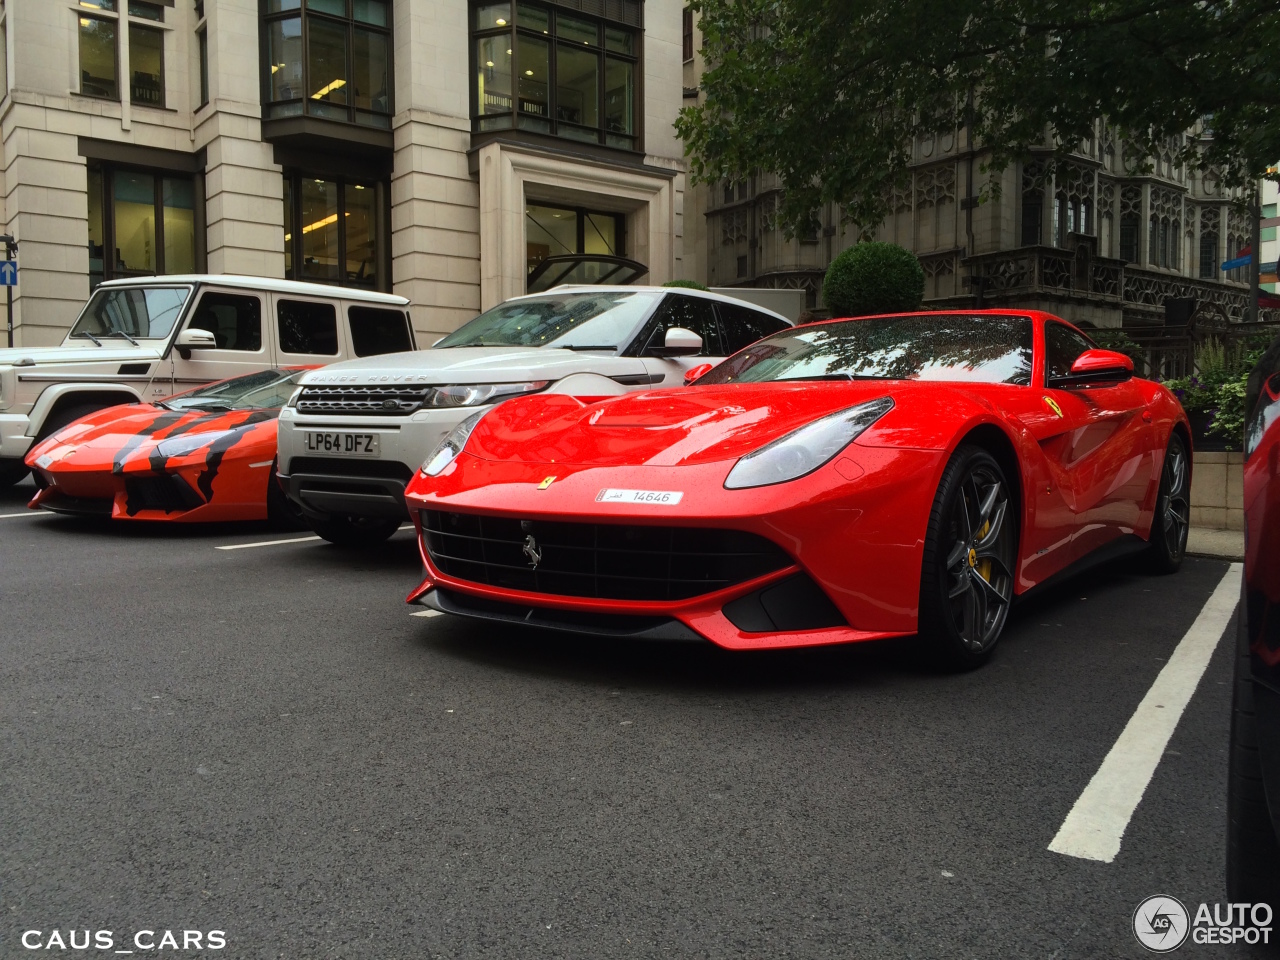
(640, 343)
(513, 30)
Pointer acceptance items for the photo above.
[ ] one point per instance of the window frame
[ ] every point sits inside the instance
(513, 32)
(305, 15)
(107, 171)
(131, 25)
(382, 224)
(115, 22)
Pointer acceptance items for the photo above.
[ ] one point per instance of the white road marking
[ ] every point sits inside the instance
(427, 613)
(266, 543)
(27, 513)
(1094, 827)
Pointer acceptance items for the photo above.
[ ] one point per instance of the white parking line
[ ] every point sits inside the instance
(266, 543)
(1095, 825)
(427, 613)
(27, 513)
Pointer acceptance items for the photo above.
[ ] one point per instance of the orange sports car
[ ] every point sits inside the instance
(199, 456)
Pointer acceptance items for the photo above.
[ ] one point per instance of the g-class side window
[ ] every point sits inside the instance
(307, 327)
(234, 320)
(375, 330)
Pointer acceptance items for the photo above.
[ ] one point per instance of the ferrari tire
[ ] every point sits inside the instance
(354, 531)
(1253, 852)
(11, 472)
(966, 581)
(1172, 520)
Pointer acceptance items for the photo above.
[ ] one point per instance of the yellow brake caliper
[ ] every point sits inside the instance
(983, 566)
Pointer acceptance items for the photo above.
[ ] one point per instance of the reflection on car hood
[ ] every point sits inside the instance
(472, 365)
(663, 428)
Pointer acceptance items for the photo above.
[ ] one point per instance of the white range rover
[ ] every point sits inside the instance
(142, 339)
(353, 434)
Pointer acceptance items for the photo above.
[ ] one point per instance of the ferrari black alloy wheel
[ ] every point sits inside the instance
(1173, 509)
(966, 584)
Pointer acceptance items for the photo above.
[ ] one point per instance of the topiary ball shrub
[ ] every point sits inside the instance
(870, 278)
(691, 284)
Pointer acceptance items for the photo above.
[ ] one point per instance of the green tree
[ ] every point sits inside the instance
(830, 94)
(870, 278)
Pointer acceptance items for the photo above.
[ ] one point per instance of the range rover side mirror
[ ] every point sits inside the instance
(678, 342)
(1095, 367)
(694, 373)
(194, 338)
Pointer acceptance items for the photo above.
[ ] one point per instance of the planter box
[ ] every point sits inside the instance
(1217, 490)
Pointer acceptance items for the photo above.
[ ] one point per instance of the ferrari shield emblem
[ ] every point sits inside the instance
(550, 480)
(1053, 405)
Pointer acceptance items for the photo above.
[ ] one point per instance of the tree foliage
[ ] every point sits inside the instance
(870, 278)
(830, 94)
(688, 284)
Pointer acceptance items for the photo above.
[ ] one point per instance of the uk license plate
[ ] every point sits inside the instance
(342, 444)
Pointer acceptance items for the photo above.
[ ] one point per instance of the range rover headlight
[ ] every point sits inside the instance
(451, 446)
(474, 394)
(803, 451)
(292, 402)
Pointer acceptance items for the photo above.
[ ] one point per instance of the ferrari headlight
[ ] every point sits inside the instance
(474, 394)
(451, 446)
(805, 450)
(189, 443)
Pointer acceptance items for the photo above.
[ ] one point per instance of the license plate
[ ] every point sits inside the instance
(341, 444)
(655, 497)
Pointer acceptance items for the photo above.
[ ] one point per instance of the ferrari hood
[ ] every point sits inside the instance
(473, 365)
(110, 436)
(661, 428)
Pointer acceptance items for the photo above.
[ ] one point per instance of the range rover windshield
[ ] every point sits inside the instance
(131, 313)
(575, 321)
(958, 347)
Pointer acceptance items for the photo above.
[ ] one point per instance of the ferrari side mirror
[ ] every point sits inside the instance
(695, 373)
(1096, 367)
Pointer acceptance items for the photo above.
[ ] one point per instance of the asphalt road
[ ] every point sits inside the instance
(265, 742)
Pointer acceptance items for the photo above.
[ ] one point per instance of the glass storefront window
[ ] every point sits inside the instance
(284, 46)
(98, 67)
(372, 88)
(97, 238)
(134, 223)
(179, 200)
(552, 231)
(327, 70)
(371, 11)
(146, 66)
(565, 85)
(333, 231)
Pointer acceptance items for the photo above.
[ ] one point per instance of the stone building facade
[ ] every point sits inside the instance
(434, 148)
(1098, 243)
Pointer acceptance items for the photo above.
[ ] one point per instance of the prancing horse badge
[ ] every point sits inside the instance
(1052, 404)
(550, 480)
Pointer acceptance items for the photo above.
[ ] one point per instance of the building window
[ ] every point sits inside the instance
(98, 66)
(687, 34)
(333, 232)
(146, 65)
(1032, 214)
(1129, 237)
(141, 223)
(331, 61)
(202, 39)
(554, 72)
(552, 231)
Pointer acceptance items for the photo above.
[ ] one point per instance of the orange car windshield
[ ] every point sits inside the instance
(264, 390)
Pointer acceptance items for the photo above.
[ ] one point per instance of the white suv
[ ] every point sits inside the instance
(142, 339)
(352, 436)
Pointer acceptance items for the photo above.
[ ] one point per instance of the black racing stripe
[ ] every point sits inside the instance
(159, 423)
(219, 448)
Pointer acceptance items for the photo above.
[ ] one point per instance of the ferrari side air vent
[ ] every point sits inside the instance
(796, 603)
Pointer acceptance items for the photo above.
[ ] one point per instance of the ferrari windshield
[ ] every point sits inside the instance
(264, 390)
(137, 313)
(960, 347)
(581, 320)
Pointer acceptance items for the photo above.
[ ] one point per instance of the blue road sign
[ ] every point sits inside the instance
(8, 273)
(1229, 264)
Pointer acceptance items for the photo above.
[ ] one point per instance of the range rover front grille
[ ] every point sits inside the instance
(597, 560)
(381, 400)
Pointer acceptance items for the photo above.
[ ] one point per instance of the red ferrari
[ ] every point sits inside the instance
(843, 481)
(202, 455)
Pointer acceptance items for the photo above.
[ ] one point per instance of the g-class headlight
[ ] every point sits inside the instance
(451, 446)
(803, 451)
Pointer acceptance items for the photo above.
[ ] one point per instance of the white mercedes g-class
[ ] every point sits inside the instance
(354, 433)
(146, 338)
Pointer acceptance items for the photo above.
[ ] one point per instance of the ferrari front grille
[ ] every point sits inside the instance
(381, 400)
(596, 560)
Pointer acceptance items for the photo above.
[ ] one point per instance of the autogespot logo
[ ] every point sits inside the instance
(1161, 923)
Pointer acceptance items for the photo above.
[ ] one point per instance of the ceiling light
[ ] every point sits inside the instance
(488, 63)
(528, 73)
(501, 22)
